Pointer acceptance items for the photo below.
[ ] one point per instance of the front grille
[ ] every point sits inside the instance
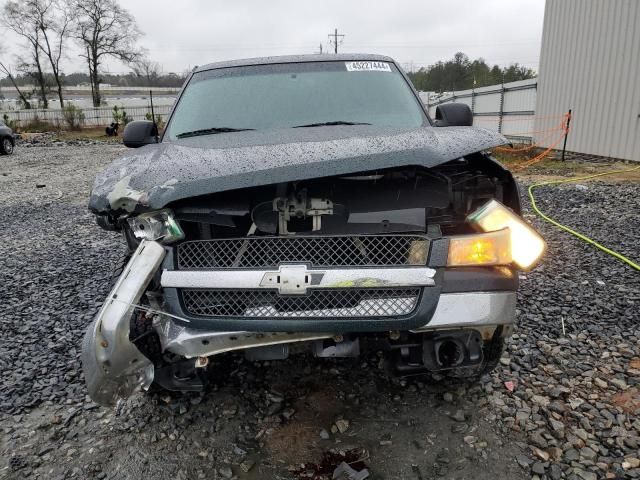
(348, 303)
(335, 251)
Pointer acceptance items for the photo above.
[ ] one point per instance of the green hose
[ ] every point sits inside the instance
(573, 232)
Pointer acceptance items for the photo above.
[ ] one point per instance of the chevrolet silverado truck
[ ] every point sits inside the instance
(307, 202)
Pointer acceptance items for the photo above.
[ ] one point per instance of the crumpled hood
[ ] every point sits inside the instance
(153, 176)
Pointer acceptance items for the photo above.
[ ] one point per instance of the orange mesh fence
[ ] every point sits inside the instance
(562, 130)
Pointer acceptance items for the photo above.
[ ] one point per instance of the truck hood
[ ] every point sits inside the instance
(151, 177)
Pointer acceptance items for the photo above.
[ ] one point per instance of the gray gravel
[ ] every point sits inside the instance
(573, 412)
(577, 397)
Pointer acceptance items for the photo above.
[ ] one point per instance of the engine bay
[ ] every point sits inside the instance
(407, 200)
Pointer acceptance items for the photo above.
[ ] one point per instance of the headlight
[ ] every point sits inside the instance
(158, 225)
(527, 246)
(482, 249)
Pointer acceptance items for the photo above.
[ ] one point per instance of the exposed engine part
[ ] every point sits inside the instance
(298, 207)
(408, 199)
(330, 349)
(202, 362)
(446, 350)
(180, 376)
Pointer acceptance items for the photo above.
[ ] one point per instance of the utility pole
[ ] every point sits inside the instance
(335, 40)
(320, 48)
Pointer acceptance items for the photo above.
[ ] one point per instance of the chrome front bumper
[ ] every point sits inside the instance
(477, 310)
(114, 368)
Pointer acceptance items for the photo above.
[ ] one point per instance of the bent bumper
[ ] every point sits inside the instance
(472, 310)
(113, 367)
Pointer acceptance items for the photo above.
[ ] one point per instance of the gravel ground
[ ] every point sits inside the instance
(564, 402)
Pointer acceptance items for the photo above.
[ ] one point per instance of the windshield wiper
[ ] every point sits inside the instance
(211, 131)
(328, 124)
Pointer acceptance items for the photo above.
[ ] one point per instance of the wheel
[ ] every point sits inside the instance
(141, 332)
(171, 373)
(6, 146)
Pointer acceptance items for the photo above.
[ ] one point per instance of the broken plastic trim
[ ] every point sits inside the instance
(156, 226)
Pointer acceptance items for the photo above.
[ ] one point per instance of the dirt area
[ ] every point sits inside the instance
(562, 404)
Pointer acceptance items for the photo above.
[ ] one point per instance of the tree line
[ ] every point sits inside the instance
(101, 29)
(131, 79)
(461, 73)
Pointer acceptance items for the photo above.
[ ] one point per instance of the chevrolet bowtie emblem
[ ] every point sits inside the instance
(292, 279)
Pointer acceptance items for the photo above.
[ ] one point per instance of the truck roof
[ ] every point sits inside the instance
(357, 57)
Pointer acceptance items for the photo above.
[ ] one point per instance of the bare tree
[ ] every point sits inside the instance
(17, 17)
(105, 29)
(5, 68)
(147, 69)
(53, 19)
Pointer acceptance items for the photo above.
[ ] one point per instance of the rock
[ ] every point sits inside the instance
(555, 453)
(555, 472)
(447, 397)
(324, 434)
(541, 454)
(630, 463)
(342, 425)
(539, 468)
(538, 440)
(459, 428)
(600, 383)
(571, 455)
(540, 400)
(225, 472)
(230, 410)
(585, 474)
(581, 434)
(247, 465)
(458, 416)
(524, 461)
(588, 454)
(619, 383)
(556, 426)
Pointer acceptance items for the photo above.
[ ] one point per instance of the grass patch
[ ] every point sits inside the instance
(551, 168)
(93, 133)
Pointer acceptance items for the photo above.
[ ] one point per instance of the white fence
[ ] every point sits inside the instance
(93, 117)
(508, 108)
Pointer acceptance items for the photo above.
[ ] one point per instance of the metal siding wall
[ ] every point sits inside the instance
(590, 62)
(519, 103)
(488, 103)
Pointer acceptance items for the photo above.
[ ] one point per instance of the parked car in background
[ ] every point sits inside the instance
(306, 200)
(7, 139)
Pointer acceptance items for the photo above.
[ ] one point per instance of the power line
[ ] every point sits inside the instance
(335, 42)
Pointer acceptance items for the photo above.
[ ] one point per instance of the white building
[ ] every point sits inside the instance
(590, 63)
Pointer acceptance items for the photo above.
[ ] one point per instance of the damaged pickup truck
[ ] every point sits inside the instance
(310, 202)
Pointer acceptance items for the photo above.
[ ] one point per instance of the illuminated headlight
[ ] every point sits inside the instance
(483, 249)
(527, 246)
(160, 226)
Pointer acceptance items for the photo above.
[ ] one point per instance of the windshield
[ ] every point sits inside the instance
(295, 95)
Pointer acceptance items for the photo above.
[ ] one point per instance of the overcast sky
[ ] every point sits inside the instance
(184, 33)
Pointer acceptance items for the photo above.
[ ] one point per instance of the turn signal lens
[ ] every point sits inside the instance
(527, 245)
(480, 250)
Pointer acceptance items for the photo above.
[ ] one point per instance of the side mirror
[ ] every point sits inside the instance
(139, 133)
(453, 115)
